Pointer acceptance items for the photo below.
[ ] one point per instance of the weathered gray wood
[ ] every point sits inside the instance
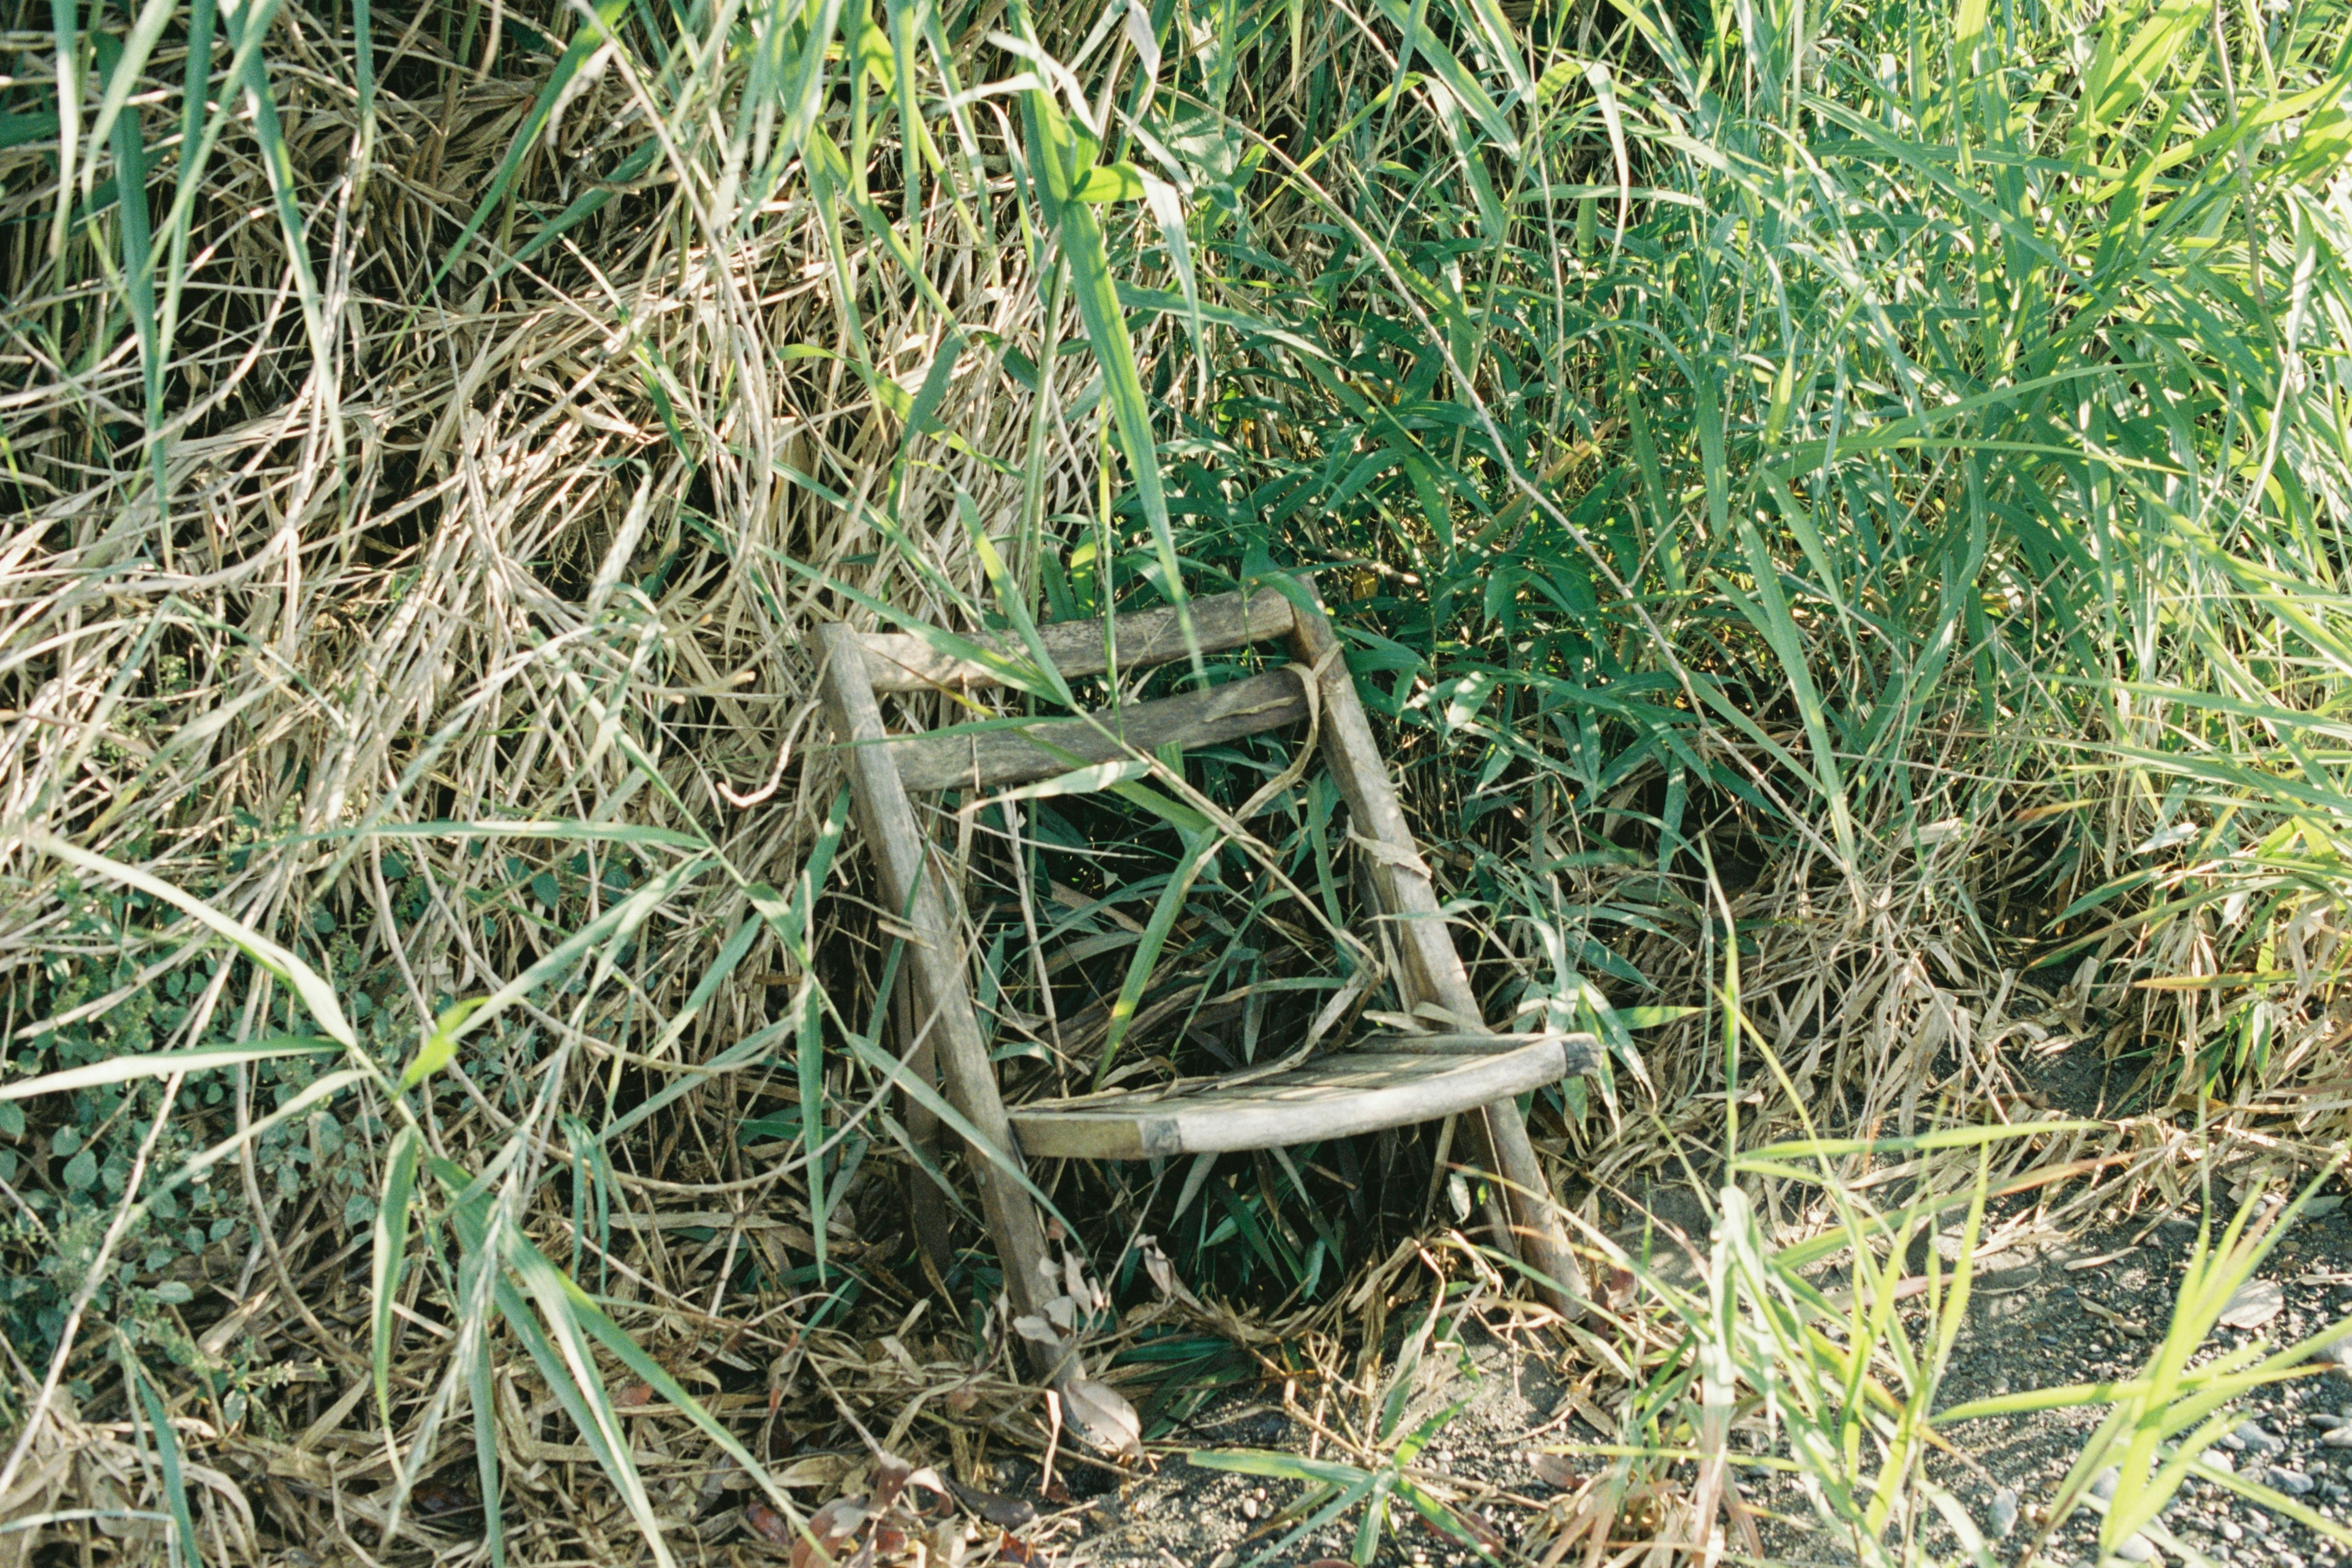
(942, 995)
(1583, 1050)
(927, 1206)
(901, 662)
(1333, 1097)
(995, 759)
(1432, 970)
(1403, 1078)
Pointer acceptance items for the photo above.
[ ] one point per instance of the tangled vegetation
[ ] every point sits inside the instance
(1842, 512)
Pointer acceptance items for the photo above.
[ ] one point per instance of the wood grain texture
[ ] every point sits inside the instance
(943, 1004)
(1334, 1096)
(974, 758)
(1583, 1050)
(901, 662)
(1404, 1078)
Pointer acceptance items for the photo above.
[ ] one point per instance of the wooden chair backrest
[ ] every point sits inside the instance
(1001, 756)
(853, 666)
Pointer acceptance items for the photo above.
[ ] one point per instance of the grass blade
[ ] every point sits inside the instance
(318, 997)
(163, 1064)
(167, 1460)
(389, 1256)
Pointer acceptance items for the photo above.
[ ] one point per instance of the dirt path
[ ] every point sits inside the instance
(2040, 1316)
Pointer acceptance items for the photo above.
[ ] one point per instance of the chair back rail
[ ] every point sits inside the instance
(994, 757)
(901, 662)
(883, 769)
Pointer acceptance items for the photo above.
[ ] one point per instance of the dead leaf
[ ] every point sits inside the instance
(1617, 1293)
(2076, 1264)
(1477, 1529)
(767, 1523)
(890, 1474)
(926, 1479)
(1032, 1327)
(1020, 1553)
(994, 1508)
(2115, 1319)
(1103, 1417)
(830, 1528)
(818, 1470)
(1554, 1470)
(1155, 1265)
(2256, 1302)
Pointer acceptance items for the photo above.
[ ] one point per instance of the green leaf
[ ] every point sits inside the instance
(318, 996)
(1109, 183)
(314, 1093)
(2125, 72)
(1198, 848)
(1277, 1467)
(1054, 147)
(391, 1247)
(81, 1171)
(1651, 1017)
(440, 1043)
(158, 1064)
(26, 130)
(167, 1460)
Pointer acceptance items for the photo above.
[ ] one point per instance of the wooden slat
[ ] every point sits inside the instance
(901, 662)
(1333, 1097)
(1583, 1050)
(993, 759)
(911, 886)
(1432, 970)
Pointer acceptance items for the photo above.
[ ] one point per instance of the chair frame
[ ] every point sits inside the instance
(855, 666)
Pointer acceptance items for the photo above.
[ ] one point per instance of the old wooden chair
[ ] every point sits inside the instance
(1388, 1080)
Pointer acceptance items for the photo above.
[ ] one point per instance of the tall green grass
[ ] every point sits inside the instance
(1887, 463)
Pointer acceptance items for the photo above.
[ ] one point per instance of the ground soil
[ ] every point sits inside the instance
(2055, 1312)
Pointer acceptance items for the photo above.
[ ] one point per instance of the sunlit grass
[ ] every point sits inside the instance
(1856, 493)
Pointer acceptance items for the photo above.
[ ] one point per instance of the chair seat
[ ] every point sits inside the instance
(1386, 1080)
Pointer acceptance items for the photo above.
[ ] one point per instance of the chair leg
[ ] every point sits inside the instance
(926, 1207)
(1432, 970)
(1541, 1243)
(943, 1004)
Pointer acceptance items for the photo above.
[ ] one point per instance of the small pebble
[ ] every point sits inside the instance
(2231, 1440)
(2295, 1483)
(2220, 1460)
(2135, 1549)
(2326, 1420)
(2103, 1485)
(2338, 1436)
(2229, 1531)
(2003, 1513)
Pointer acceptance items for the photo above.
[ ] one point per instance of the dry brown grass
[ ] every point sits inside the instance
(471, 600)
